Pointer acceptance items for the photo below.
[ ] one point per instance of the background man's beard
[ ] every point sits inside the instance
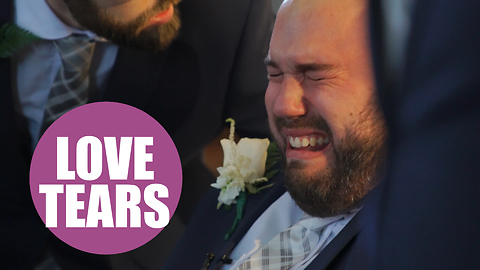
(338, 188)
(153, 38)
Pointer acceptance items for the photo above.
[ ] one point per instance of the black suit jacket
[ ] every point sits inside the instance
(212, 71)
(208, 226)
(426, 215)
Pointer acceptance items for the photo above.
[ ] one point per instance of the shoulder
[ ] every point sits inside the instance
(211, 18)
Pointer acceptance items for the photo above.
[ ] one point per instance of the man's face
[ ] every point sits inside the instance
(321, 104)
(149, 25)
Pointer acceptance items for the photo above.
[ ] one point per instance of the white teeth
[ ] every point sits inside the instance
(305, 142)
(297, 142)
(320, 140)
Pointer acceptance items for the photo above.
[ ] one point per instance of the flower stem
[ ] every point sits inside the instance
(241, 200)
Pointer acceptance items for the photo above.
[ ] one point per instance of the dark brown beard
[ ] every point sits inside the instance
(354, 172)
(154, 38)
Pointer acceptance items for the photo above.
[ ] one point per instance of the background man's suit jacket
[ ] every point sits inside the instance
(426, 215)
(213, 70)
(208, 226)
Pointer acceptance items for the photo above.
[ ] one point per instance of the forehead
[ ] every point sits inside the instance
(316, 30)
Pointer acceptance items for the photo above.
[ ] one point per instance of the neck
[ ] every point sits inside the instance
(63, 13)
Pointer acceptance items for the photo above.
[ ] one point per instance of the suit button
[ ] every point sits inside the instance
(208, 260)
(226, 260)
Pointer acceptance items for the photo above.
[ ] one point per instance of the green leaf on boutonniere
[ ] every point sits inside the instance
(273, 157)
(241, 200)
(12, 38)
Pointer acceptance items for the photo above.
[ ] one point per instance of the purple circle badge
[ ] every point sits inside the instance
(105, 178)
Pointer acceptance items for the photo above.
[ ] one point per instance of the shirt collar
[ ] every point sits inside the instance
(37, 17)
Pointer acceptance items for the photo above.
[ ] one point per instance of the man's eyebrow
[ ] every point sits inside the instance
(302, 68)
(313, 67)
(269, 63)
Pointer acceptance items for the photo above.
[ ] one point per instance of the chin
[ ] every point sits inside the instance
(307, 168)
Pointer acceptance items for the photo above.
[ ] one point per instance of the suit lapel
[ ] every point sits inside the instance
(338, 244)
(6, 11)
(256, 205)
(6, 110)
(133, 70)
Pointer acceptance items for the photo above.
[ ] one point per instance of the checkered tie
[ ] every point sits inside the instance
(70, 86)
(291, 245)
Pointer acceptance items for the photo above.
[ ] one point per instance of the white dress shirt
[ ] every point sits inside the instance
(36, 65)
(282, 214)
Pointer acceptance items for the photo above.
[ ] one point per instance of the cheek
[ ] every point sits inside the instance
(343, 116)
(332, 107)
(270, 97)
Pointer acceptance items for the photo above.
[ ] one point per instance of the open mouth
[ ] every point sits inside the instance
(314, 142)
(308, 145)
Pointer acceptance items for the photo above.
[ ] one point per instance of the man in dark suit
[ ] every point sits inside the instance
(324, 117)
(427, 214)
(210, 70)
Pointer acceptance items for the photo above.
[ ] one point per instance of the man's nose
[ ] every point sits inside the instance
(290, 101)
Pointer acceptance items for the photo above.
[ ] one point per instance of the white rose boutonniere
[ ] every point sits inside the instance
(243, 171)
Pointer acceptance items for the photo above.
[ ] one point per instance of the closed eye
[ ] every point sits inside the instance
(315, 79)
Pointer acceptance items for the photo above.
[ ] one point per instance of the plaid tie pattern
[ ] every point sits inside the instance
(290, 246)
(70, 86)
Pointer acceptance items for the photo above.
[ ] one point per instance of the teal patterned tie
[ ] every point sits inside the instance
(70, 86)
(291, 245)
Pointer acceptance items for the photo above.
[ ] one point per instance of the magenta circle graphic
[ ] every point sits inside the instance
(105, 178)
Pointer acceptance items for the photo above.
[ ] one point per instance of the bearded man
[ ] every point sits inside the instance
(189, 64)
(324, 116)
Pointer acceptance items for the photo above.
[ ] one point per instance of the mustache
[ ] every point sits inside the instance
(306, 122)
